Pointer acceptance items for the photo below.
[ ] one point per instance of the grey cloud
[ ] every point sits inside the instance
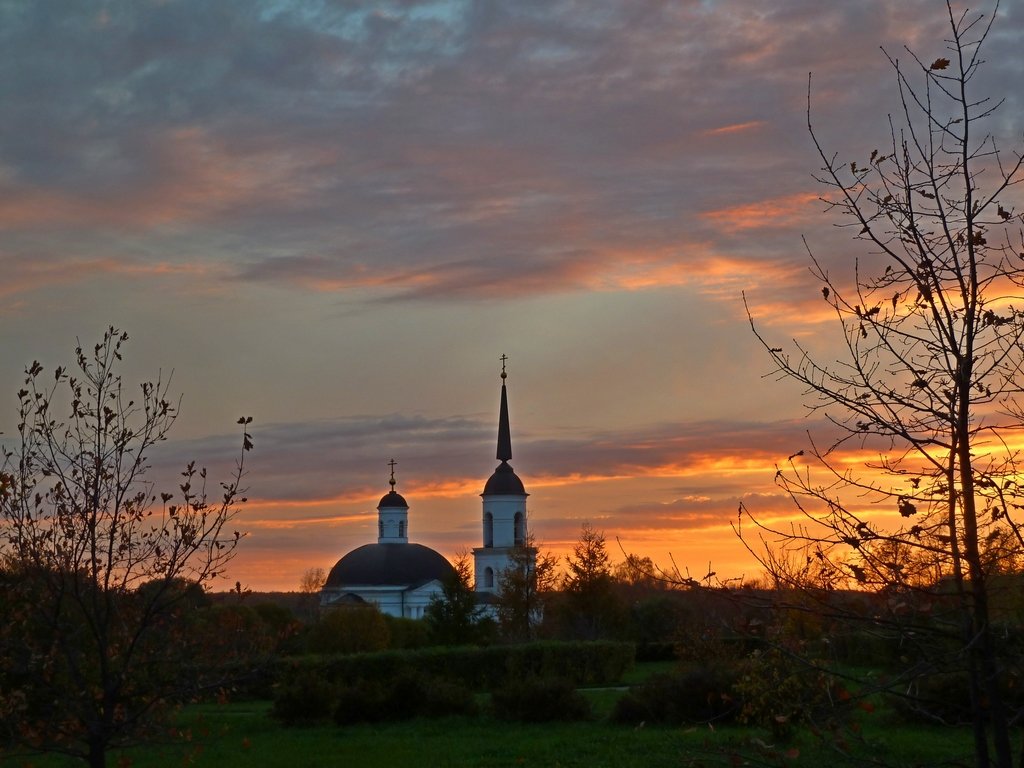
(449, 139)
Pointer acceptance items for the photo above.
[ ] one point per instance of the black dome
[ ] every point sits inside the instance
(392, 499)
(504, 481)
(391, 565)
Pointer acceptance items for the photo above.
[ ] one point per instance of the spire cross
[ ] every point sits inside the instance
(504, 357)
(392, 480)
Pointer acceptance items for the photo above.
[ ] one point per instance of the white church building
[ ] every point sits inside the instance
(401, 577)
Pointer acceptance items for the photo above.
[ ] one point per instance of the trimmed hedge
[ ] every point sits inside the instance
(403, 698)
(480, 669)
(540, 700)
(304, 701)
(399, 684)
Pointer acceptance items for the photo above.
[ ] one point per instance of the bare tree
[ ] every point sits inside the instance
(526, 585)
(930, 377)
(312, 581)
(98, 567)
(310, 584)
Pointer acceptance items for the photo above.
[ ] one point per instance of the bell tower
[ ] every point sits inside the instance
(504, 508)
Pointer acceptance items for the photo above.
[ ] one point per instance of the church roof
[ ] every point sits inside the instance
(389, 565)
(504, 481)
(393, 499)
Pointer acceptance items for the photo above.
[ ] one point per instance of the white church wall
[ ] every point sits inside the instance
(395, 601)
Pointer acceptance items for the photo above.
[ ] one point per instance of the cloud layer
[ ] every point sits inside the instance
(336, 216)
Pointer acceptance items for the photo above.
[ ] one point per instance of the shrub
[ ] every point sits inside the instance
(659, 619)
(306, 699)
(363, 702)
(407, 633)
(349, 630)
(403, 698)
(539, 700)
(944, 697)
(862, 647)
(779, 692)
(660, 651)
(697, 695)
(356, 687)
(447, 698)
(583, 663)
(477, 668)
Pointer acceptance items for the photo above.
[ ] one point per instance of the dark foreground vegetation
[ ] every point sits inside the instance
(249, 734)
(743, 676)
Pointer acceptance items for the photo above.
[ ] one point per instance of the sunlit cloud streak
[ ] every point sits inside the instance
(302, 466)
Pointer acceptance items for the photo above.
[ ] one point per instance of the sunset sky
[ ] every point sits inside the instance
(336, 217)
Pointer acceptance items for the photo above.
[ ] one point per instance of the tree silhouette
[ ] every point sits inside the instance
(99, 568)
(928, 383)
(589, 606)
(454, 616)
(526, 584)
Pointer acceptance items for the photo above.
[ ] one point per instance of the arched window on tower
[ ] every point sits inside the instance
(401, 529)
(489, 578)
(520, 530)
(488, 529)
(380, 528)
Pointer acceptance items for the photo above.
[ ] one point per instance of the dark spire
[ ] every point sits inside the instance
(504, 433)
(504, 481)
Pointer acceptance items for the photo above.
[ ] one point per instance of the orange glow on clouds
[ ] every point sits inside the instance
(779, 212)
(445, 515)
(28, 277)
(726, 130)
(694, 532)
(194, 177)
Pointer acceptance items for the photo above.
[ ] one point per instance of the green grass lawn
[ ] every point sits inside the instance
(243, 734)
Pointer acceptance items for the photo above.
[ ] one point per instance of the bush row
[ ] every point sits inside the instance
(534, 681)
(479, 669)
(309, 700)
(767, 688)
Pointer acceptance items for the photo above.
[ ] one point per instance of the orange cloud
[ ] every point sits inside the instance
(726, 130)
(774, 213)
(274, 524)
(193, 177)
(26, 275)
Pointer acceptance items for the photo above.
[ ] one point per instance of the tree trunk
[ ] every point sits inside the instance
(983, 664)
(97, 753)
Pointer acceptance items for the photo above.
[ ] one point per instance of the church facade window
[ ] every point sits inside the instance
(520, 530)
(488, 529)
(489, 578)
